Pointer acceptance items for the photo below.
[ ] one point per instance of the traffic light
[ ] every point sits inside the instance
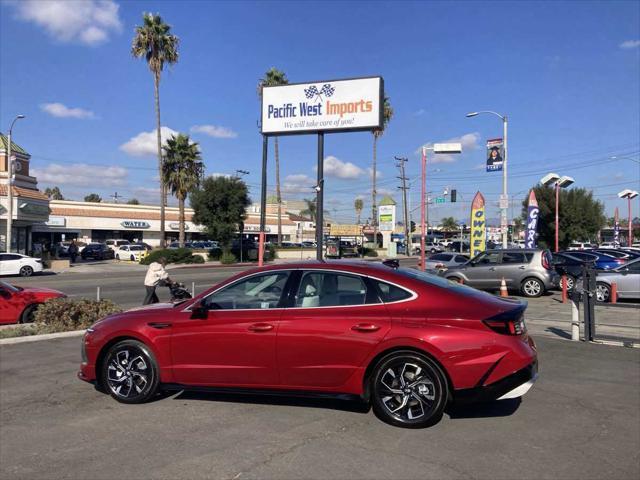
(454, 194)
(413, 226)
(510, 229)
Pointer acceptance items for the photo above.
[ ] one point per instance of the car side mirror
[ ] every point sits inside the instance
(199, 311)
(5, 294)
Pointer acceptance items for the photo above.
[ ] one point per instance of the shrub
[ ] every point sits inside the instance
(215, 253)
(63, 314)
(194, 259)
(227, 258)
(270, 252)
(173, 255)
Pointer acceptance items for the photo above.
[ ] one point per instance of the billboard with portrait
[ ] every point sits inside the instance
(495, 155)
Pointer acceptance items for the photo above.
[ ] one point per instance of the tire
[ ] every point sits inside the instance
(28, 313)
(133, 259)
(26, 271)
(408, 390)
(532, 287)
(603, 292)
(455, 279)
(125, 378)
(433, 250)
(571, 283)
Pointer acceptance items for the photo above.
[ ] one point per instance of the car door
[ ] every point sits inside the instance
(234, 344)
(512, 267)
(11, 304)
(10, 264)
(629, 280)
(335, 320)
(482, 271)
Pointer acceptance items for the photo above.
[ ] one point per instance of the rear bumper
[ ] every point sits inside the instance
(512, 386)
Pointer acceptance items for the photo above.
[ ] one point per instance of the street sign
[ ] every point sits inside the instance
(504, 201)
(447, 147)
(440, 199)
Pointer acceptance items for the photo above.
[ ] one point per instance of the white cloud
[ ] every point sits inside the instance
(146, 143)
(89, 22)
(419, 112)
(213, 131)
(62, 111)
(334, 167)
(82, 174)
(629, 44)
(469, 141)
(384, 192)
(297, 183)
(379, 174)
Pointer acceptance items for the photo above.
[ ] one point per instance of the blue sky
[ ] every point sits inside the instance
(566, 74)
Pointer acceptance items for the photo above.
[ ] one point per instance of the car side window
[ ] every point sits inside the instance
(9, 256)
(440, 256)
(513, 257)
(461, 259)
(391, 293)
(256, 292)
(488, 259)
(324, 289)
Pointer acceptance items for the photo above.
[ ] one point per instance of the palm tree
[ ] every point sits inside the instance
(154, 42)
(358, 205)
(387, 113)
(310, 211)
(181, 172)
(449, 223)
(272, 78)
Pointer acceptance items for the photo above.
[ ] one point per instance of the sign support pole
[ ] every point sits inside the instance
(320, 197)
(263, 200)
(423, 207)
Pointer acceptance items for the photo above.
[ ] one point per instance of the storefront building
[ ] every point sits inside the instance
(30, 206)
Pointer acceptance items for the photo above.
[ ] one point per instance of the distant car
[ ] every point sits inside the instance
(626, 278)
(607, 245)
(18, 304)
(146, 246)
(17, 264)
(528, 271)
(309, 244)
(97, 251)
(456, 247)
(441, 261)
(430, 247)
(115, 244)
(130, 252)
(602, 260)
(174, 245)
(570, 265)
(581, 246)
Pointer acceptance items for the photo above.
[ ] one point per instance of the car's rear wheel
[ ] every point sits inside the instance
(571, 282)
(130, 372)
(26, 271)
(455, 279)
(603, 292)
(408, 390)
(28, 314)
(532, 287)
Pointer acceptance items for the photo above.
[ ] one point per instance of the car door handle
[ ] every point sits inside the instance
(260, 327)
(159, 325)
(365, 327)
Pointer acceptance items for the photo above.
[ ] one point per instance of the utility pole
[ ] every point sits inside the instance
(10, 186)
(117, 197)
(407, 228)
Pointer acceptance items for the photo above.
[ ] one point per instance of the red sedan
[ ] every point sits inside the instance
(18, 304)
(405, 341)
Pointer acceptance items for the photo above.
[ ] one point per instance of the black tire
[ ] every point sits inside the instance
(418, 404)
(455, 279)
(26, 271)
(125, 378)
(571, 283)
(603, 292)
(28, 313)
(532, 287)
(133, 259)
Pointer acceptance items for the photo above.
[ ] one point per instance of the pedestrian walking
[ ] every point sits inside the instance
(156, 275)
(73, 251)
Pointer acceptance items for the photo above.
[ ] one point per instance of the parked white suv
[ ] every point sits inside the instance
(115, 244)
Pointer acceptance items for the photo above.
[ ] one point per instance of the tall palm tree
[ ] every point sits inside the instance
(274, 77)
(154, 42)
(387, 113)
(311, 210)
(181, 172)
(449, 224)
(358, 205)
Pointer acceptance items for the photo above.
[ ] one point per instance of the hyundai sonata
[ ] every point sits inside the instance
(405, 341)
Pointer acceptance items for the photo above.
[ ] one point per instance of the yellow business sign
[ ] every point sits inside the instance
(478, 226)
(345, 230)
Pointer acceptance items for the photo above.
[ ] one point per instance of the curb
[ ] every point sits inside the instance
(37, 338)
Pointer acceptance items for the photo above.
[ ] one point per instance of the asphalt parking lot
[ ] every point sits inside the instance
(581, 420)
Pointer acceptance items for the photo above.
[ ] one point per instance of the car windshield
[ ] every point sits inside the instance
(136, 247)
(9, 287)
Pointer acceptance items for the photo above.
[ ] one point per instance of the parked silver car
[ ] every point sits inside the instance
(626, 278)
(527, 271)
(441, 261)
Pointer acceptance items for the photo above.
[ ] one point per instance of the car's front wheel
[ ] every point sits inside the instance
(26, 271)
(130, 372)
(28, 314)
(408, 390)
(603, 292)
(532, 287)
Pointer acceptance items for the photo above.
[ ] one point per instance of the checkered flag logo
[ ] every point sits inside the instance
(313, 93)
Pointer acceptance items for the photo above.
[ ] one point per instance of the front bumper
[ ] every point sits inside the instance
(512, 386)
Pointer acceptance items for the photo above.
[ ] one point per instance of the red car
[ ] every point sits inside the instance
(405, 341)
(18, 304)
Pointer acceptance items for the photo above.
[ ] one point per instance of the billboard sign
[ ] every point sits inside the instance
(533, 212)
(495, 155)
(478, 226)
(325, 106)
(386, 217)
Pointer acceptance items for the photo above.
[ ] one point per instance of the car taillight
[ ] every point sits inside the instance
(545, 262)
(507, 327)
(620, 260)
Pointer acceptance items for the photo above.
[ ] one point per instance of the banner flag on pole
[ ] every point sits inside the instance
(478, 242)
(616, 229)
(531, 235)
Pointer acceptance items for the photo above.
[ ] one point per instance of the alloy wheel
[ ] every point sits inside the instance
(532, 287)
(602, 292)
(26, 271)
(406, 391)
(129, 373)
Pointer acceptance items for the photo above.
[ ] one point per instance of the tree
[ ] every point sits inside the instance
(310, 210)
(387, 113)
(580, 215)
(181, 172)
(93, 197)
(449, 223)
(518, 224)
(358, 205)
(154, 42)
(53, 193)
(274, 77)
(133, 201)
(219, 205)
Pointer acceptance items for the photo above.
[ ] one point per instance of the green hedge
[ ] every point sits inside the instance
(64, 314)
(173, 255)
(228, 258)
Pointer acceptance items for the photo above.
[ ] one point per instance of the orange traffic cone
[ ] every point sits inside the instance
(503, 289)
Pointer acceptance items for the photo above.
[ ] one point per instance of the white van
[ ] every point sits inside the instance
(115, 244)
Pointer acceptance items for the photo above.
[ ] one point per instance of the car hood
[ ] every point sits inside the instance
(153, 306)
(42, 290)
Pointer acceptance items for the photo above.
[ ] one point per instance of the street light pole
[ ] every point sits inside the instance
(557, 214)
(9, 186)
(558, 182)
(629, 195)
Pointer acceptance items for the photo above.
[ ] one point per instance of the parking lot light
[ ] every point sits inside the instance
(558, 182)
(629, 195)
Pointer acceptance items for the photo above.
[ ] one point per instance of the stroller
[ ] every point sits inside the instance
(178, 292)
